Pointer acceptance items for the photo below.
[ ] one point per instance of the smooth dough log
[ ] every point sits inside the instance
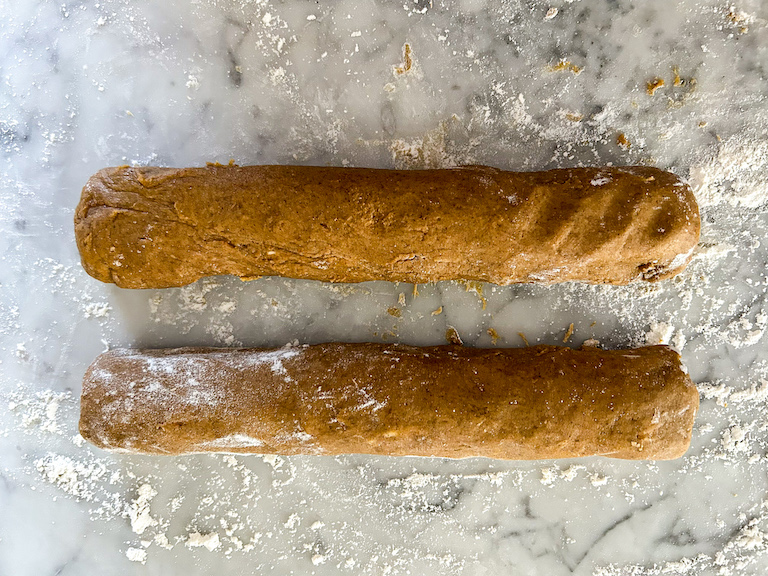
(389, 399)
(164, 227)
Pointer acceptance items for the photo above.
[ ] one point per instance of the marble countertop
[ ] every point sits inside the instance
(516, 84)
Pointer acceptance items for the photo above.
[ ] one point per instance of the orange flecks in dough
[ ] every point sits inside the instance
(525, 340)
(407, 60)
(452, 336)
(654, 85)
(622, 141)
(563, 65)
(568, 333)
(573, 117)
(437, 312)
(494, 336)
(394, 311)
(677, 80)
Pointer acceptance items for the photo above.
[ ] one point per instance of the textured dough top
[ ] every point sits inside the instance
(162, 227)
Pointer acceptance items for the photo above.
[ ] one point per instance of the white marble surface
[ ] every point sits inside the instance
(86, 85)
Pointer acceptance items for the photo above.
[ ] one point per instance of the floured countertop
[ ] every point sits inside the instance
(518, 85)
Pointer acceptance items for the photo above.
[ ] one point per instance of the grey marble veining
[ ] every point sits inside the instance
(514, 84)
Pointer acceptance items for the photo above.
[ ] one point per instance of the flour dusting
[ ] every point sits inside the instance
(735, 175)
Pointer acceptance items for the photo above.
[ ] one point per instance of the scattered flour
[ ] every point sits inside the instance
(136, 555)
(660, 333)
(734, 441)
(742, 550)
(718, 392)
(429, 151)
(39, 410)
(208, 541)
(736, 175)
(663, 333)
(756, 393)
(138, 512)
(96, 310)
(75, 477)
(571, 472)
(597, 480)
(549, 475)
(743, 332)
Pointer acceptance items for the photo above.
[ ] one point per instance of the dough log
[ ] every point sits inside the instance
(450, 401)
(163, 227)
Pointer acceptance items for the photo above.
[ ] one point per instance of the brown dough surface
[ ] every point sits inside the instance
(451, 401)
(163, 227)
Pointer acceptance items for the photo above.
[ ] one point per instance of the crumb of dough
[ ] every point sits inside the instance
(452, 336)
(654, 85)
(677, 81)
(568, 333)
(477, 288)
(437, 312)
(394, 311)
(407, 60)
(566, 65)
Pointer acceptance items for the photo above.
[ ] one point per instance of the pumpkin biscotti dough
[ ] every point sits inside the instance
(450, 401)
(163, 227)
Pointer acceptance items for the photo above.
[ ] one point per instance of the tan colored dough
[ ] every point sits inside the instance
(451, 401)
(163, 227)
